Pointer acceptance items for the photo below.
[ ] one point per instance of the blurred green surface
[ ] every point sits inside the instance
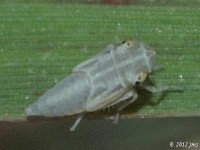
(40, 43)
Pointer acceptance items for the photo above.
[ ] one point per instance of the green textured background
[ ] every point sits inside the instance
(40, 43)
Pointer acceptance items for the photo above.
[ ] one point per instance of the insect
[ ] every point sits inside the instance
(101, 82)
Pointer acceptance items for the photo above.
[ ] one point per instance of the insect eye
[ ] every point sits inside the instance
(142, 77)
(123, 42)
(129, 43)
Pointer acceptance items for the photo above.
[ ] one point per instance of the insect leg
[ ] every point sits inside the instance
(126, 96)
(162, 88)
(158, 68)
(125, 104)
(129, 101)
(76, 123)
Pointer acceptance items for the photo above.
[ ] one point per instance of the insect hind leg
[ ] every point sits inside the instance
(76, 123)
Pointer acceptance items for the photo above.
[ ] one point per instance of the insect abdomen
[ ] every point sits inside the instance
(68, 97)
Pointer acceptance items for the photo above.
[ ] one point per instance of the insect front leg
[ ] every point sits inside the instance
(127, 99)
(124, 97)
(158, 68)
(162, 88)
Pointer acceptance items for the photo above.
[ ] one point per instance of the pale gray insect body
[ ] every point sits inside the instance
(100, 82)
